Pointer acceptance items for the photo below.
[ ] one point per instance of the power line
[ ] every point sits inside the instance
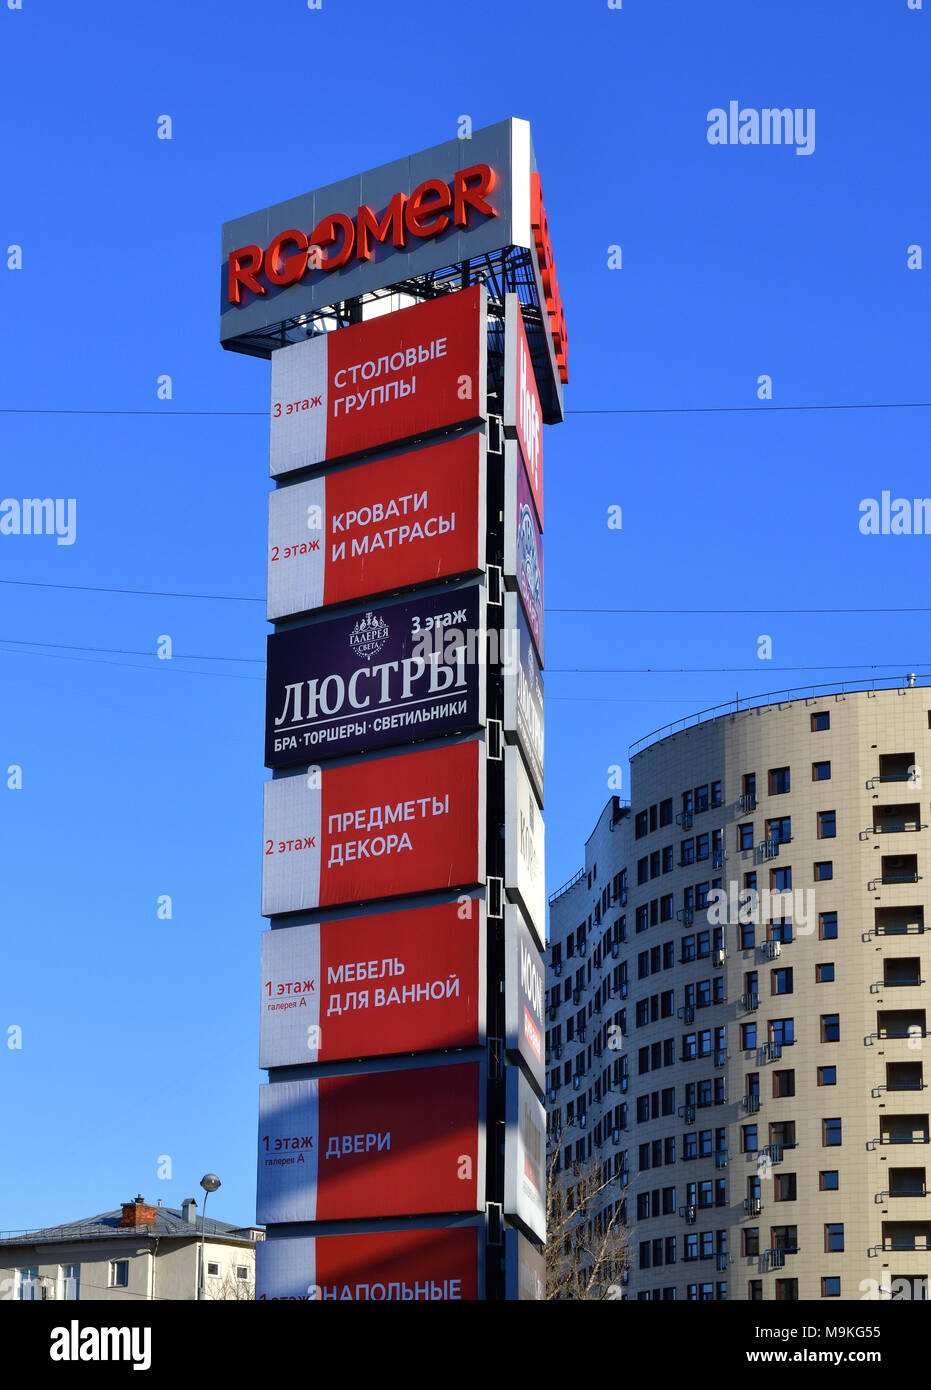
(129, 665)
(181, 656)
(624, 612)
(145, 593)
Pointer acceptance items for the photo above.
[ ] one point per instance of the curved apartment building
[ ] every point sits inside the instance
(737, 1004)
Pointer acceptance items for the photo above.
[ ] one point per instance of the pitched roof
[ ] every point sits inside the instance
(168, 1222)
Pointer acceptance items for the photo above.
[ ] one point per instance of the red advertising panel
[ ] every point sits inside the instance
(410, 1266)
(523, 418)
(411, 981)
(380, 1144)
(385, 525)
(373, 384)
(405, 824)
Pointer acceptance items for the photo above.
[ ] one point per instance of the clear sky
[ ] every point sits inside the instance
(143, 777)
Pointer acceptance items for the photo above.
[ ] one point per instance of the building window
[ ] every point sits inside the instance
(717, 794)
(755, 1290)
(824, 973)
(781, 980)
(701, 799)
(750, 1240)
(821, 772)
(783, 1084)
(119, 1274)
(747, 936)
(70, 1281)
(779, 829)
(213, 1269)
(778, 781)
(784, 1187)
(824, 870)
(827, 1076)
(828, 1180)
(242, 1274)
(830, 1286)
(745, 835)
(831, 1133)
(640, 825)
(747, 1036)
(827, 825)
(782, 1030)
(827, 926)
(748, 1139)
(786, 1290)
(665, 812)
(820, 722)
(833, 1236)
(830, 1028)
(27, 1283)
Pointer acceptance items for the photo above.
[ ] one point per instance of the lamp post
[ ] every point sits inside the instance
(209, 1182)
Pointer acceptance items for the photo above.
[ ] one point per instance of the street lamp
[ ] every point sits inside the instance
(209, 1182)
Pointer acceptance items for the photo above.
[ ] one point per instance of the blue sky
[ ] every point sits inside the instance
(142, 777)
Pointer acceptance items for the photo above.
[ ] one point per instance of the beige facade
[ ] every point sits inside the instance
(139, 1253)
(754, 1067)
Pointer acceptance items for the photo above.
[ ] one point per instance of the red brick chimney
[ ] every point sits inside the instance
(137, 1213)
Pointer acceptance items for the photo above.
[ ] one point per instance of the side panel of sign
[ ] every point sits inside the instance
(406, 824)
(523, 418)
(384, 1144)
(523, 691)
(410, 1266)
(373, 384)
(411, 981)
(523, 544)
(407, 520)
(525, 1155)
(524, 845)
(525, 1268)
(523, 991)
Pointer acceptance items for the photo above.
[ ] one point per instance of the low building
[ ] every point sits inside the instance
(137, 1251)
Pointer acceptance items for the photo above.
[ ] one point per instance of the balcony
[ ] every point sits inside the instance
(766, 849)
(749, 1002)
(746, 803)
(750, 1104)
(896, 767)
(898, 819)
(774, 1151)
(689, 1215)
(899, 868)
(687, 1114)
(898, 921)
(753, 1206)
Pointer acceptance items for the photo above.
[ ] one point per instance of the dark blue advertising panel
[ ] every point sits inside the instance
(393, 673)
(523, 692)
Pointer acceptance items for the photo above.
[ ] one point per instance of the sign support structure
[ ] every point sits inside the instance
(401, 1141)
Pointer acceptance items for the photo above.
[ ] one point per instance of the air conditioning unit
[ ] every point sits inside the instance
(576, 1082)
(615, 950)
(616, 1136)
(582, 1035)
(720, 956)
(689, 1214)
(753, 1205)
(583, 948)
(557, 968)
(775, 949)
(624, 1083)
(558, 1049)
(583, 1119)
(750, 1104)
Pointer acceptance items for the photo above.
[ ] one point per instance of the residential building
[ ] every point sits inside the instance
(137, 1251)
(738, 1003)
